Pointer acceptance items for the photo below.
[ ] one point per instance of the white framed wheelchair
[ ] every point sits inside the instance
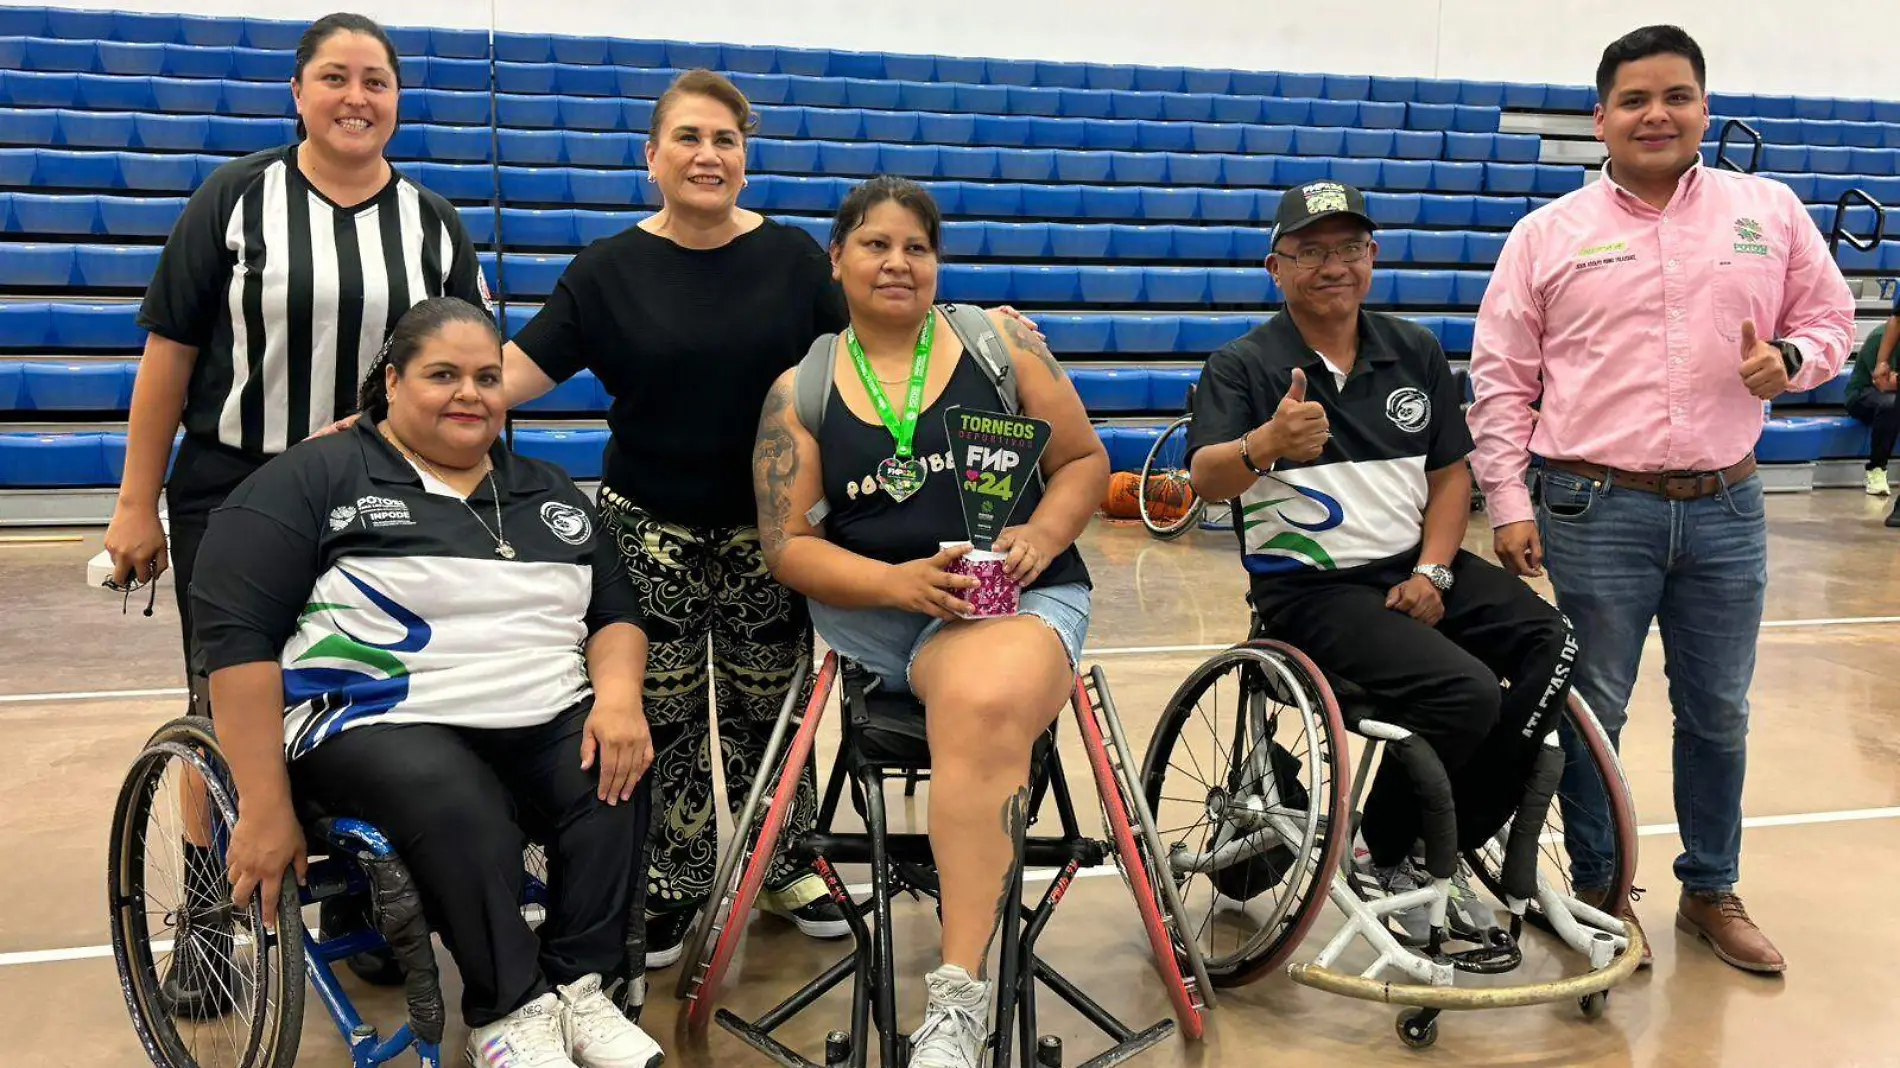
(1247, 776)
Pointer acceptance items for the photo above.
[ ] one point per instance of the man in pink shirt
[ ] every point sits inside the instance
(1647, 317)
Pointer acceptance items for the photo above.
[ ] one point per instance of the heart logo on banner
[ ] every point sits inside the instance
(900, 478)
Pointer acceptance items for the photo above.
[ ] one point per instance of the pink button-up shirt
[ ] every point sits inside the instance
(1627, 321)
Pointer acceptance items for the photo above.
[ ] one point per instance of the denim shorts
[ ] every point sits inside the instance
(885, 641)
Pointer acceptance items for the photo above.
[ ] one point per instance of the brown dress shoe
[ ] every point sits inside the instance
(1720, 920)
(1594, 897)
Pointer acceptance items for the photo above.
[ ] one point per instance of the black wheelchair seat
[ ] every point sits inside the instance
(886, 729)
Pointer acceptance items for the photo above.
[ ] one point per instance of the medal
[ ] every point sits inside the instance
(902, 474)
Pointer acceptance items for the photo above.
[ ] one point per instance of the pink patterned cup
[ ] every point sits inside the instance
(995, 594)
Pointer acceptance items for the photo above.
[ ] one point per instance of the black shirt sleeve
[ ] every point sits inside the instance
(831, 315)
(246, 608)
(1450, 434)
(555, 339)
(1227, 403)
(614, 599)
(181, 301)
(265, 538)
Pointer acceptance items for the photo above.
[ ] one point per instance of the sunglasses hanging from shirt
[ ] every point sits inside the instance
(901, 474)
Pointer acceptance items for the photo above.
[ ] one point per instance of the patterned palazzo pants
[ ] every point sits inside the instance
(706, 590)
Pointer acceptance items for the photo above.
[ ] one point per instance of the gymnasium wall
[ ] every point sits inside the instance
(1763, 46)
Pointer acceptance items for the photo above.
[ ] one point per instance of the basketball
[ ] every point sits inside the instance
(1122, 502)
(1169, 497)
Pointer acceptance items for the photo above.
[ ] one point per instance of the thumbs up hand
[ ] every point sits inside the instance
(1764, 372)
(1298, 429)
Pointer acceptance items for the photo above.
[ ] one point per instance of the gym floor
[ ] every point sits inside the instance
(82, 687)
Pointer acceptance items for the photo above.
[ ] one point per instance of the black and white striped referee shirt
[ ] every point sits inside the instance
(287, 296)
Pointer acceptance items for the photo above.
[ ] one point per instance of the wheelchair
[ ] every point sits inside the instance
(884, 740)
(1247, 775)
(161, 903)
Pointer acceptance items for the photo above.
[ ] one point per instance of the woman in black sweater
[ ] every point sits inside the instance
(687, 319)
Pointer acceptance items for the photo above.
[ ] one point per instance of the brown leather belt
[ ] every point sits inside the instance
(1670, 485)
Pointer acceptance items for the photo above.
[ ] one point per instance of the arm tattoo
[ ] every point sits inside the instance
(1015, 821)
(774, 469)
(1025, 339)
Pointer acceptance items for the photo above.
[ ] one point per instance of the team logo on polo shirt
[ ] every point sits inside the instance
(570, 524)
(1409, 409)
(342, 516)
(379, 512)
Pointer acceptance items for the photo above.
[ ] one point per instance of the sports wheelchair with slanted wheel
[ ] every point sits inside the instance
(1247, 776)
(884, 736)
(171, 910)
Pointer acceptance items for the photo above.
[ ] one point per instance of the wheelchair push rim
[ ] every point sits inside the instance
(1301, 738)
(1163, 468)
(262, 1001)
(1132, 831)
(749, 858)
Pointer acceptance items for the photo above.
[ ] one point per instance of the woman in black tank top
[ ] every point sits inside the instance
(878, 585)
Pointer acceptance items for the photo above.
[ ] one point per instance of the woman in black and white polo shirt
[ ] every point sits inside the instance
(418, 629)
(276, 288)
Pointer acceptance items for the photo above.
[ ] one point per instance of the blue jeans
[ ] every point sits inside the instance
(1620, 558)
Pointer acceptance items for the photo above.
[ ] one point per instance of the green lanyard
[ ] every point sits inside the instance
(906, 430)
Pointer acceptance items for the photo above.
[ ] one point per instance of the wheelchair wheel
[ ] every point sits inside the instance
(174, 928)
(742, 869)
(1169, 506)
(1246, 774)
(1177, 957)
(1554, 862)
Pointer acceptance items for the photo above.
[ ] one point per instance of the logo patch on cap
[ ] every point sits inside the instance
(1324, 197)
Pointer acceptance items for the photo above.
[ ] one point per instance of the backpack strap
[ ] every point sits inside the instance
(811, 393)
(980, 340)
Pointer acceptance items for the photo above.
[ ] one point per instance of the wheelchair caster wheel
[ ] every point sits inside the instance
(837, 1050)
(1593, 1005)
(1417, 1029)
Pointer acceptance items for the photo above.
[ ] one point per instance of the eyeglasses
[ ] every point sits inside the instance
(129, 588)
(1312, 257)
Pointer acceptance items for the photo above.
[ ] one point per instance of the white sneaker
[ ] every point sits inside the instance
(599, 1035)
(529, 1037)
(956, 1021)
(1877, 482)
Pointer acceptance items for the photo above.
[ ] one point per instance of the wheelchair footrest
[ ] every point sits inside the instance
(1498, 955)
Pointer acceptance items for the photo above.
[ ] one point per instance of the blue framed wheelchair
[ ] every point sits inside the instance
(884, 741)
(1247, 774)
(171, 911)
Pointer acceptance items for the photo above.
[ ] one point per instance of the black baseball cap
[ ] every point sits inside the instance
(1305, 205)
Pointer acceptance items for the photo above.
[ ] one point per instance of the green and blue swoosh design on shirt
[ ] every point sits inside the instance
(341, 696)
(1263, 562)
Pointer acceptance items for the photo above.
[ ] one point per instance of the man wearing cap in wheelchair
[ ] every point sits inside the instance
(419, 630)
(1340, 433)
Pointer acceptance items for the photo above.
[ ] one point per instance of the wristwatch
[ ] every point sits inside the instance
(1790, 355)
(1438, 574)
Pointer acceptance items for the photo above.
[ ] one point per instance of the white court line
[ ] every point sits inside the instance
(1124, 650)
(1042, 875)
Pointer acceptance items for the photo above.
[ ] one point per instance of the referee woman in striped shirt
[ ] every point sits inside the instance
(272, 297)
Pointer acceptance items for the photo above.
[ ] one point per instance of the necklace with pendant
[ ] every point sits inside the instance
(902, 474)
(502, 548)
